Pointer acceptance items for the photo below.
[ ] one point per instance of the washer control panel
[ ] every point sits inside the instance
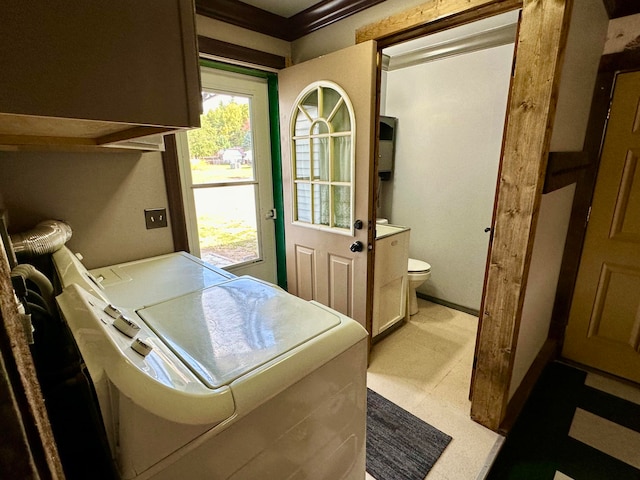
(126, 326)
(141, 347)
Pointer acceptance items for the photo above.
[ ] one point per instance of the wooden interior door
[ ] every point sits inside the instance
(321, 265)
(604, 322)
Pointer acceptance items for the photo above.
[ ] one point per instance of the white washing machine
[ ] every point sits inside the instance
(203, 375)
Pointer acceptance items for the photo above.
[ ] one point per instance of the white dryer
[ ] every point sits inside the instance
(203, 375)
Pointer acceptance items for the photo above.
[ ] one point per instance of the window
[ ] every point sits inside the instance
(322, 132)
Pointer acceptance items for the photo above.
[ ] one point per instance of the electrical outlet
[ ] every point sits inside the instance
(155, 217)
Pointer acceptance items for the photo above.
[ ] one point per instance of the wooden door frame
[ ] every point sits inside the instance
(580, 168)
(531, 107)
(26, 429)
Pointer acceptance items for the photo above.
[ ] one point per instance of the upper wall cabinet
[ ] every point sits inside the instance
(89, 73)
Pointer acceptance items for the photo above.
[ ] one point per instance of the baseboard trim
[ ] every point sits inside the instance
(455, 306)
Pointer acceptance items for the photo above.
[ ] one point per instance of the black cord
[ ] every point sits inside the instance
(34, 297)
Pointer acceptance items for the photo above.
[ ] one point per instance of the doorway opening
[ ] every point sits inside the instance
(226, 169)
(448, 94)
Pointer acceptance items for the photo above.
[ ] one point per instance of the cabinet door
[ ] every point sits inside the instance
(119, 61)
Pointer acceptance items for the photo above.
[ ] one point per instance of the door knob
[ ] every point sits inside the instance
(356, 246)
(358, 225)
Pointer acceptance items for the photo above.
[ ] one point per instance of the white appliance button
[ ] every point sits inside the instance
(112, 311)
(142, 348)
(126, 326)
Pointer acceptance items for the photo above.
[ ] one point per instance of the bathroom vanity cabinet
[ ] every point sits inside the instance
(390, 282)
(96, 73)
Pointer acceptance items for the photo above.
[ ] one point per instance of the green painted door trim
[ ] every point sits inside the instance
(276, 157)
(276, 170)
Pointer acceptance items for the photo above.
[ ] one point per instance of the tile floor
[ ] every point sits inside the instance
(609, 437)
(425, 367)
(578, 424)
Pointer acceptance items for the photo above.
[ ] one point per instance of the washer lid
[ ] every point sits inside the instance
(148, 281)
(418, 266)
(230, 329)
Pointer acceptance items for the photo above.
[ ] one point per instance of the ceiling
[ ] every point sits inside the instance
(284, 19)
(284, 8)
(292, 19)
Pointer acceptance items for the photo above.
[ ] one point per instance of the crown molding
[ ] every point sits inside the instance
(325, 13)
(252, 18)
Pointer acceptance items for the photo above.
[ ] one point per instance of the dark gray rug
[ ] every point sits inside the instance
(400, 446)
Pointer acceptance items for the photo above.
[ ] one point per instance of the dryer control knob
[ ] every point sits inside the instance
(126, 326)
(142, 348)
(112, 311)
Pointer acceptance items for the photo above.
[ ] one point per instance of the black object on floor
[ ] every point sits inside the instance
(400, 446)
(539, 444)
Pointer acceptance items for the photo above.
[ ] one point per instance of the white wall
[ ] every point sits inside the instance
(101, 195)
(450, 123)
(546, 258)
(343, 33)
(623, 34)
(587, 32)
(585, 42)
(225, 32)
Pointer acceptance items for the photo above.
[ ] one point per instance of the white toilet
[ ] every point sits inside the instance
(419, 272)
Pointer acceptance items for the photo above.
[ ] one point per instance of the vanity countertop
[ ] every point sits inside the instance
(385, 230)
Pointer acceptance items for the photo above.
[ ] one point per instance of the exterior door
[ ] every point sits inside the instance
(226, 175)
(324, 196)
(604, 322)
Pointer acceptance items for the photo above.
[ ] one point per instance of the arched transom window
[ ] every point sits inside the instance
(323, 133)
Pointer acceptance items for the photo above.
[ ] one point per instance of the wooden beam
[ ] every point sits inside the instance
(29, 448)
(211, 46)
(173, 185)
(565, 168)
(430, 13)
(539, 55)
